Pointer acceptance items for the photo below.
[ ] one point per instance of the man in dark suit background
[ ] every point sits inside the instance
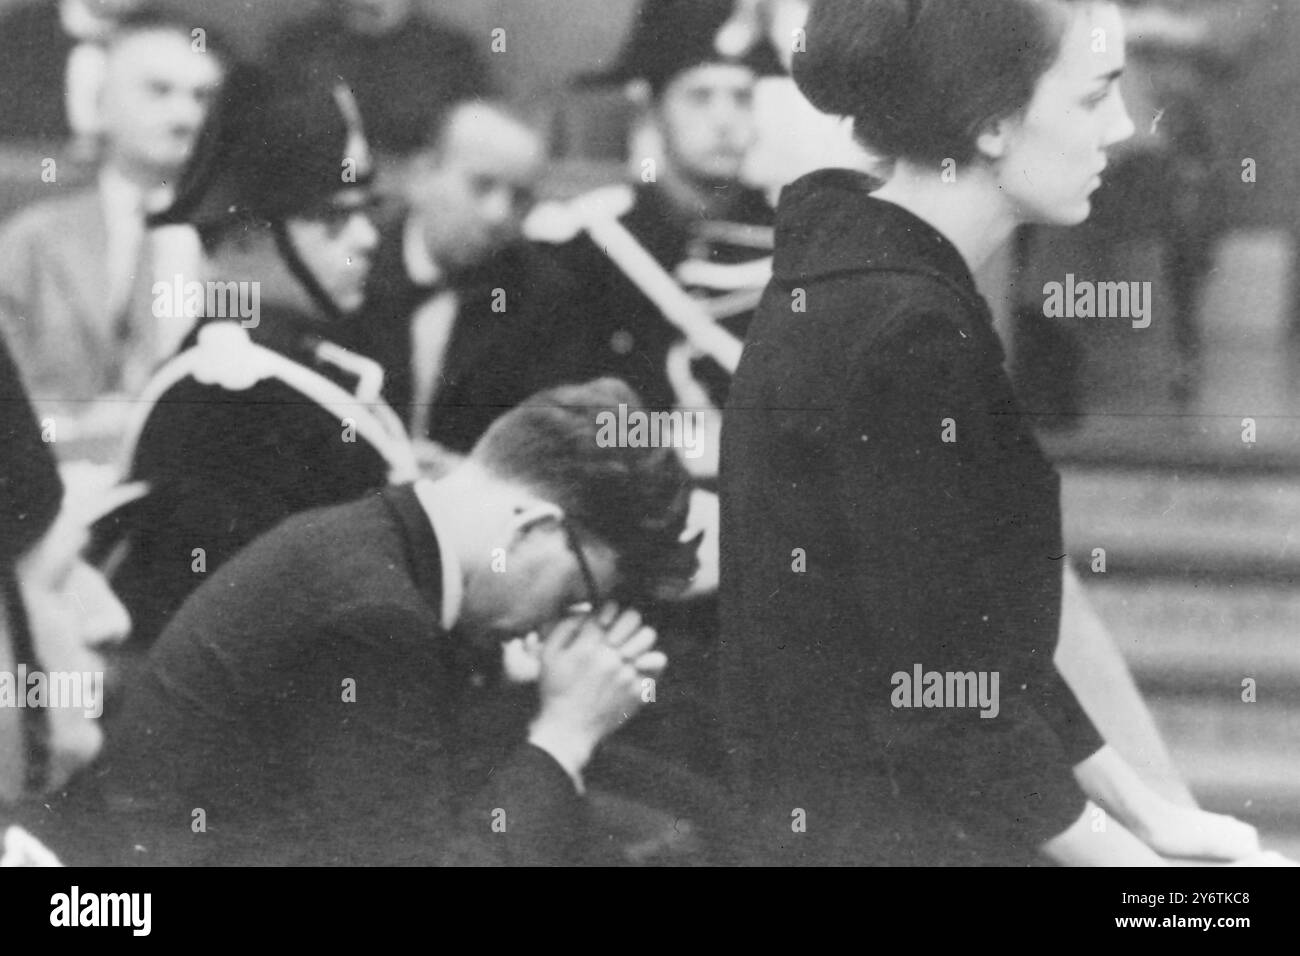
(446, 302)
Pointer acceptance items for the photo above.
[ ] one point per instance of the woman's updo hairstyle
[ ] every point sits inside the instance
(921, 78)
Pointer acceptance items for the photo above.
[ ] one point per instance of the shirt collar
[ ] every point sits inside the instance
(125, 198)
(453, 585)
(420, 265)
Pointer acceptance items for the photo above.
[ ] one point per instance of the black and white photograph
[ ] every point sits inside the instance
(651, 433)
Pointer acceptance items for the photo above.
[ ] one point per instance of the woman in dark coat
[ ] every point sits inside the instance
(891, 533)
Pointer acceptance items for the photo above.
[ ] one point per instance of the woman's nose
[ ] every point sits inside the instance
(1123, 128)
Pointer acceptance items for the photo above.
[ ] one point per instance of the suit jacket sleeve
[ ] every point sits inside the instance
(942, 575)
(522, 810)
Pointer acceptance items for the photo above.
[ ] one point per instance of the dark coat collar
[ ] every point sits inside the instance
(464, 657)
(828, 224)
(422, 549)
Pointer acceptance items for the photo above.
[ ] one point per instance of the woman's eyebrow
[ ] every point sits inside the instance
(1112, 76)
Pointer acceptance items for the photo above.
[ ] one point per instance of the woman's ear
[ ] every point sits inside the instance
(993, 139)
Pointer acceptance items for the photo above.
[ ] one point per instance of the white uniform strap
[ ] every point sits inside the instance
(225, 356)
(597, 213)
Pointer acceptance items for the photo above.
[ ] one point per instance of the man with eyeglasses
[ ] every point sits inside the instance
(263, 413)
(352, 689)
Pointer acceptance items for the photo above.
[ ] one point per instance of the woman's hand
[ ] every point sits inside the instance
(1192, 833)
(1170, 829)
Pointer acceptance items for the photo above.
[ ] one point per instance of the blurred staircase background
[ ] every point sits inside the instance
(1201, 529)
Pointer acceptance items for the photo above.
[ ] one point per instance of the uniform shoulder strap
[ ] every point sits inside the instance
(225, 356)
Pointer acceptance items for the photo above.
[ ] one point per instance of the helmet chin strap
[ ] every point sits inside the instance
(283, 242)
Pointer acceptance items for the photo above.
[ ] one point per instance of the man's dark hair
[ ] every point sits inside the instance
(633, 499)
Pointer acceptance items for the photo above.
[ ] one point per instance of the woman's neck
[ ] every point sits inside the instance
(970, 212)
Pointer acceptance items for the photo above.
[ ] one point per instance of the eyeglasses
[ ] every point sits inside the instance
(588, 579)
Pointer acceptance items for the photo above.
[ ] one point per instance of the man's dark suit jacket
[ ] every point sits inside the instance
(309, 702)
(490, 365)
(857, 543)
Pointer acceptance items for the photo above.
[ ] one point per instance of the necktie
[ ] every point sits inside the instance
(431, 330)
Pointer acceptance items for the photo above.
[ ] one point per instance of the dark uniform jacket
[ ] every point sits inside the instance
(310, 703)
(858, 544)
(225, 465)
(602, 324)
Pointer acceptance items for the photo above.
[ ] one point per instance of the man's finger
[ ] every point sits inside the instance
(562, 634)
(640, 642)
(651, 664)
(608, 614)
(618, 633)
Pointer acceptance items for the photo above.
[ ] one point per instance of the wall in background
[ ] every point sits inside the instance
(550, 40)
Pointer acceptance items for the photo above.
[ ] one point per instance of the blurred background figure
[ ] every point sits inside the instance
(446, 304)
(57, 612)
(689, 208)
(51, 63)
(405, 67)
(794, 138)
(30, 495)
(74, 621)
(77, 270)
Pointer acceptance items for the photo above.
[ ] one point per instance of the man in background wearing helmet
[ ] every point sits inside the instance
(689, 208)
(262, 414)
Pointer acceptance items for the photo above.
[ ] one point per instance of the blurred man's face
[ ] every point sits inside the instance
(156, 94)
(376, 17)
(337, 244)
(706, 117)
(471, 197)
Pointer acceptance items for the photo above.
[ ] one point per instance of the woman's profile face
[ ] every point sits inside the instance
(1055, 150)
